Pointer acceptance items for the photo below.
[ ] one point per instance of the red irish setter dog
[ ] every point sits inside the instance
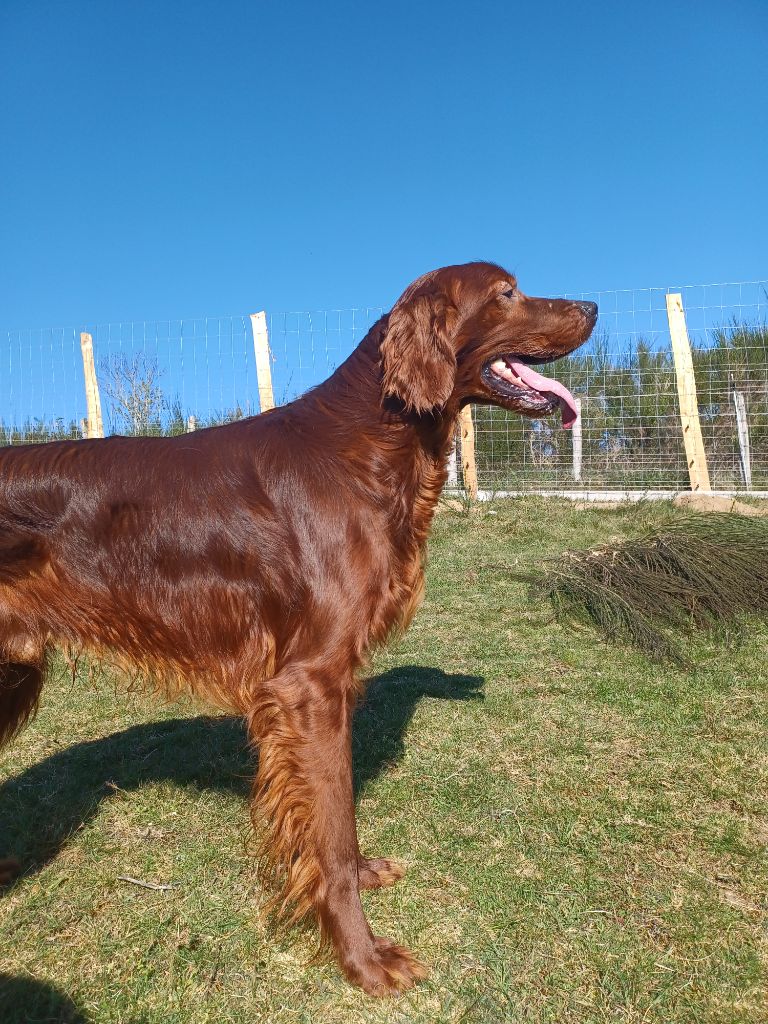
(259, 563)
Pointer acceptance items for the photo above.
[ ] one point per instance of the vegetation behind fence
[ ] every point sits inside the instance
(631, 429)
(172, 376)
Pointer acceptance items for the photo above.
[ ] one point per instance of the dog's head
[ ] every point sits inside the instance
(467, 333)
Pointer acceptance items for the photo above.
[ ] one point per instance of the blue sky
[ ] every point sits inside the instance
(182, 159)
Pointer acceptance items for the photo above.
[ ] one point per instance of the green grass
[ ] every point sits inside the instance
(586, 832)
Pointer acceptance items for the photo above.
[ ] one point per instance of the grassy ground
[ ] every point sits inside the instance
(586, 833)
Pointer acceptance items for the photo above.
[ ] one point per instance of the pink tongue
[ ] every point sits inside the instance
(539, 383)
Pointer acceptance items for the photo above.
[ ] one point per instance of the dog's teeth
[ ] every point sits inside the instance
(502, 369)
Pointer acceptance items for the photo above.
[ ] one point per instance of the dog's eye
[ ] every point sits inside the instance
(509, 293)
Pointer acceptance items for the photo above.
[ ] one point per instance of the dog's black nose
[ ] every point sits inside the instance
(589, 309)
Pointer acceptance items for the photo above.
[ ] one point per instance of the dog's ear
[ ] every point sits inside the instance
(417, 353)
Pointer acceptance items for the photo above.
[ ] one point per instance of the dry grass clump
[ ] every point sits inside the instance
(699, 572)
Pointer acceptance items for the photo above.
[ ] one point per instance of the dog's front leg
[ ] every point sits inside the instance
(302, 724)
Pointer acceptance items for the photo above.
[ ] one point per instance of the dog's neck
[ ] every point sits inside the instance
(362, 426)
(359, 378)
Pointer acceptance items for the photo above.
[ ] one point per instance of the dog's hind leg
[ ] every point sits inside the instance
(20, 686)
(22, 669)
(22, 664)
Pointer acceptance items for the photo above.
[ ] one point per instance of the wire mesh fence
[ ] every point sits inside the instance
(626, 379)
(307, 347)
(152, 376)
(167, 376)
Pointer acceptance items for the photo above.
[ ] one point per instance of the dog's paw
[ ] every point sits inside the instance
(377, 873)
(388, 970)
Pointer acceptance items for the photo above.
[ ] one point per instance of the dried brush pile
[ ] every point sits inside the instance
(698, 573)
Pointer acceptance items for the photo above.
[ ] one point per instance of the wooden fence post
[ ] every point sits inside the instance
(94, 426)
(263, 360)
(576, 438)
(468, 466)
(695, 455)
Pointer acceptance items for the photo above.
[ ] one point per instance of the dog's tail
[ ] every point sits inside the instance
(20, 687)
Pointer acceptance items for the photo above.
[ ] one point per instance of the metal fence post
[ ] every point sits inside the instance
(452, 480)
(742, 428)
(576, 438)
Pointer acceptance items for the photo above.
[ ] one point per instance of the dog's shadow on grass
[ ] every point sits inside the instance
(43, 806)
(24, 999)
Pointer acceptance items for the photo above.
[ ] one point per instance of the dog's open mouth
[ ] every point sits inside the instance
(514, 379)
